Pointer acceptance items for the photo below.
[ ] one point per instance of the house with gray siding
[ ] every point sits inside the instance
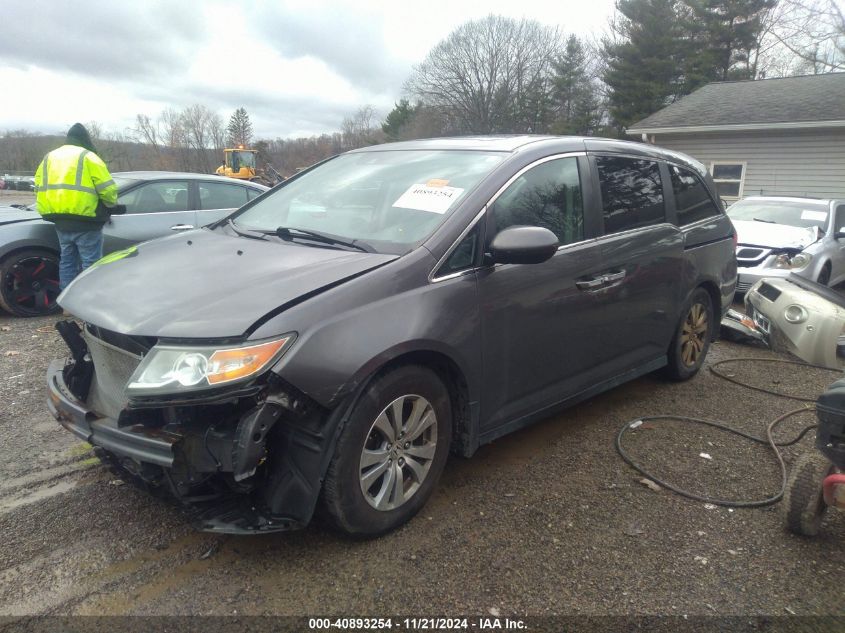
(765, 137)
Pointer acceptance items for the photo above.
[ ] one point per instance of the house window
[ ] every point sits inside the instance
(729, 179)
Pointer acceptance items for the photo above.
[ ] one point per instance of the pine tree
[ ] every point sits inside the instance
(577, 105)
(723, 35)
(239, 130)
(645, 66)
(398, 120)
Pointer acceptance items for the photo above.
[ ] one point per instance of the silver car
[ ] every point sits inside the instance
(157, 204)
(777, 236)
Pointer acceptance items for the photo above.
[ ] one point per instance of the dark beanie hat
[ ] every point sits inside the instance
(78, 135)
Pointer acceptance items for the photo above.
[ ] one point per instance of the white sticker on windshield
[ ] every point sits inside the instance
(425, 197)
(818, 216)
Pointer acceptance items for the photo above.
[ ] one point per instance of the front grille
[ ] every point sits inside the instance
(770, 292)
(113, 367)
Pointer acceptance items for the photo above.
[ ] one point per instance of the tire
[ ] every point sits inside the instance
(361, 490)
(803, 500)
(29, 283)
(691, 341)
(824, 275)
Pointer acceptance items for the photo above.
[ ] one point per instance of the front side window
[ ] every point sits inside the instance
(692, 201)
(729, 179)
(221, 195)
(631, 193)
(548, 195)
(389, 199)
(155, 197)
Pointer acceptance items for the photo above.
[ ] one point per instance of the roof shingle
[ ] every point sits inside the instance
(809, 98)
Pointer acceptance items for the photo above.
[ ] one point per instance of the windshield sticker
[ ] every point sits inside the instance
(437, 182)
(818, 216)
(428, 198)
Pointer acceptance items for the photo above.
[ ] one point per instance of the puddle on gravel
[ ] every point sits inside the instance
(38, 495)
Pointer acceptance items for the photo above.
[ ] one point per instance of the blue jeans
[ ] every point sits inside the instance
(80, 249)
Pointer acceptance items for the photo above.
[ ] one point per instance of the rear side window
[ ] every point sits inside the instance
(691, 198)
(631, 193)
(548, 195)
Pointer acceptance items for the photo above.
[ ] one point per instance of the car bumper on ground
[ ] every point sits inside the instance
(750, 276)
(798, 319)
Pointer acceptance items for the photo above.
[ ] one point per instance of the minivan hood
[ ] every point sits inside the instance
(206, 284)
(774, 235)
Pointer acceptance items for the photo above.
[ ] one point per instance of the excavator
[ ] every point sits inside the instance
(242, 164)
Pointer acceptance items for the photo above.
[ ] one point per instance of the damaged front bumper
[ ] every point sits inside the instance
(249, 464)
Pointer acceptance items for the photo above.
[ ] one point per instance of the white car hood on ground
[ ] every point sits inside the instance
(774, 235)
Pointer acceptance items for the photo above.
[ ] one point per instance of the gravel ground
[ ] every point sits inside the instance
(548, 520)
(8, 197)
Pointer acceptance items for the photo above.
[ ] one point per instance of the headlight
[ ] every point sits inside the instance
(796, 262)
(795, 313)
(169, 368)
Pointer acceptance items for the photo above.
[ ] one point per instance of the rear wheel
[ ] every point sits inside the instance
(391, 453)
(29, 283)
(692, 337)
(803, 500)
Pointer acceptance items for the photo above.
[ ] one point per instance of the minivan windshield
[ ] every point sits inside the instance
(390, 200)
(792, 213)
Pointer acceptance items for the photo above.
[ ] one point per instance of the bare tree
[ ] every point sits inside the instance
(490, 75)
(361, 128)
(814, 31)
(196, 122)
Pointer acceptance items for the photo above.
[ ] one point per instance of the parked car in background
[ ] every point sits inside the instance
(778, 236)
(157, 204)
(342, 334)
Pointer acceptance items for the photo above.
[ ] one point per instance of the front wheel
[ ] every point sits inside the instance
(391, 453)
(692, 337)
(29, 283)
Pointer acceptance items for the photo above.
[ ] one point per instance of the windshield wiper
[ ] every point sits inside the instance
(254, 236)
(766, 221)
(287, 233)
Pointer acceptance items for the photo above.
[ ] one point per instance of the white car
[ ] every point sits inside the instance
(777, 236)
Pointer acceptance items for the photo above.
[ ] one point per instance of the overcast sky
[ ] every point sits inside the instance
(298, 67)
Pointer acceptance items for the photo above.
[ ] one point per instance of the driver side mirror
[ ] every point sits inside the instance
(839, 234)
(523, 245)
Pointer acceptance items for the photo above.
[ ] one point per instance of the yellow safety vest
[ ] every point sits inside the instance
(70, 181)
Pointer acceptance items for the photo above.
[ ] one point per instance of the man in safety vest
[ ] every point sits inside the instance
(75, 191)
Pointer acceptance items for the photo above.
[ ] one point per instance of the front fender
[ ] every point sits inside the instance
(21, 235)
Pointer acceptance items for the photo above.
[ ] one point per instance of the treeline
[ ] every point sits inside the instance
(499, 75)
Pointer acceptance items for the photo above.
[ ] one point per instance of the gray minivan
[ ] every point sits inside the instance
(335, 339)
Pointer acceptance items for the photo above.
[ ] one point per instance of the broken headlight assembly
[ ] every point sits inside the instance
(792, 262)
(176, 368)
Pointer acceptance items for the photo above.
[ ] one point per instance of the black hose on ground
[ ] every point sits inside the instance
(724, 427)
(767, 360)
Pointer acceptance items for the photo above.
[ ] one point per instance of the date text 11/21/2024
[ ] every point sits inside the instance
(417, 624)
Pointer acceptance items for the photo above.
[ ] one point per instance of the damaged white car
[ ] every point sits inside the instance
(778, 236)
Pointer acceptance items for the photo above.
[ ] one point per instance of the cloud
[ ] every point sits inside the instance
(101, 39)
(348, 39)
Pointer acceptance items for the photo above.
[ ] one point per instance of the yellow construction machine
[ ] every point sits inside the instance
(242, 164)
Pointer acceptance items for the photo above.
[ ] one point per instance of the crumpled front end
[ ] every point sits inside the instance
(245, 458)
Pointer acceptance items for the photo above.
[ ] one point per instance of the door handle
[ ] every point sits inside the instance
(600, 281)
(611, 277)
(181, 227)
(590, 284)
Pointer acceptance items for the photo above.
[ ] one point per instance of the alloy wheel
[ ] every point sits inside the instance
(694, 335)
(398, 452)
(31, 286)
